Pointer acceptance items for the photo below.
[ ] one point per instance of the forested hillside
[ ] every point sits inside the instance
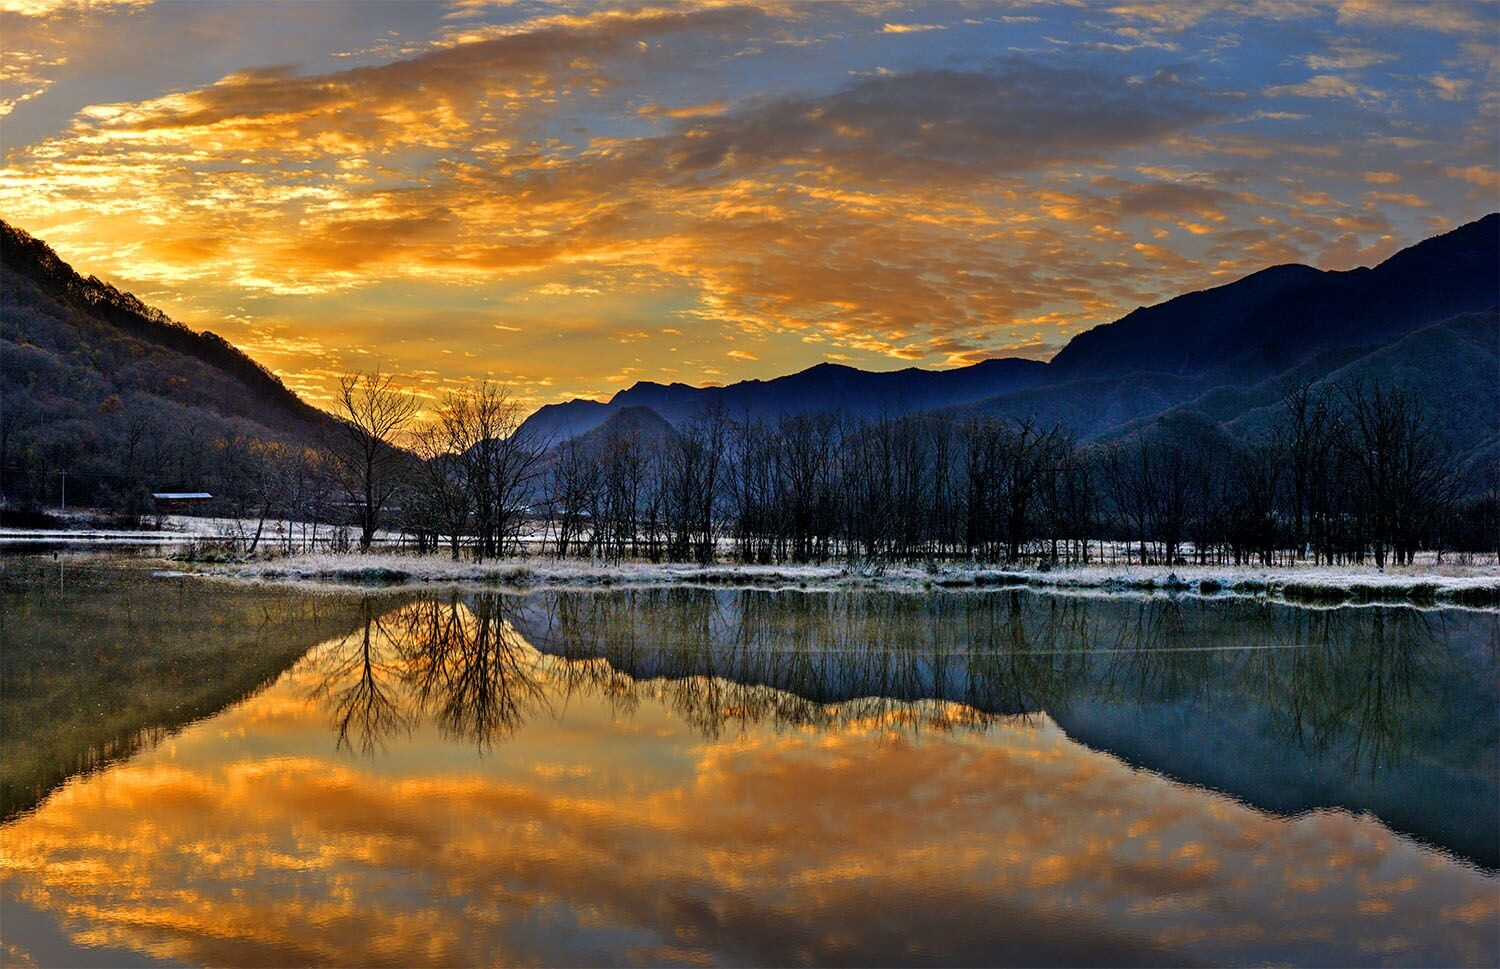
(100, 387)
(1452, 367)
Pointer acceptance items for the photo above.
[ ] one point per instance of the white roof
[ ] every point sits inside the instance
(179, 495)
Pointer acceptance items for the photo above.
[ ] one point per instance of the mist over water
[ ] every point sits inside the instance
(690, 776)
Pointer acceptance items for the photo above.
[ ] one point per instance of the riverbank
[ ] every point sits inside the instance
(1473, 586)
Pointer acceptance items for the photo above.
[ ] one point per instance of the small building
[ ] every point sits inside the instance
(180, 502)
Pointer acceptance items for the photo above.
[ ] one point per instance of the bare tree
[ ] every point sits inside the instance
(446, 498)
(751, 488)
(1170, 486)
(479, 470)
(984, 469)
(622, 463)
(1304, 436)
(692, 483)
(375, 413)
(1409, 478)
(1128, 482)
(807, 482)
(1034, 456)
(502, 462)
(572, 491)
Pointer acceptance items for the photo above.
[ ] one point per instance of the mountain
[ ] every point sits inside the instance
(1425, 318)
(39, 288)
(826, 386)
(636, 426)
(1092, 408)
(1453, 367)
(1272, 320)
(112, 392)
(556, 423)
(1220, 352)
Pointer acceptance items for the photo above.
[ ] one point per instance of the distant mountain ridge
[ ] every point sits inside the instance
(1273, 319)
(827, 386)
(1151, 361)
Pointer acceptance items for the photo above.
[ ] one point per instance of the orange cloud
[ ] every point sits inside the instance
(531, 172)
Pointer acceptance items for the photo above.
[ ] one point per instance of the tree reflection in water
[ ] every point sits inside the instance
(1349, 682)
(1358, 692)
(1390, 710)
(357, 689)
(467, 668)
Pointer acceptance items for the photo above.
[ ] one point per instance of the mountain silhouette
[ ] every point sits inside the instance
(1222, 350)
(1273, 319)
(827, 386)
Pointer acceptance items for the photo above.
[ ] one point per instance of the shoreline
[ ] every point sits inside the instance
(1462, 586)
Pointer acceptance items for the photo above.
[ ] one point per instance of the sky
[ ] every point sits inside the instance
(568, 198)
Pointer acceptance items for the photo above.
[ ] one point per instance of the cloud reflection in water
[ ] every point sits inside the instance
(481, 801)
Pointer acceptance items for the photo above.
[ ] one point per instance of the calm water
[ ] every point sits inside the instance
(204, 773)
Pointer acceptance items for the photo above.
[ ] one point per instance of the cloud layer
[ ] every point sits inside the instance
(568, 200)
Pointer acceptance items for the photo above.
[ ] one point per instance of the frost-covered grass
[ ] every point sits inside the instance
(1431, 584)
(395, 569)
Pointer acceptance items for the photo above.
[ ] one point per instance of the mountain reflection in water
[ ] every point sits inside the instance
(749, 777)
(1383, 710)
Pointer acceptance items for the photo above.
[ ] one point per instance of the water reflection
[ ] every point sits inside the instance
(692, 776)
(97, 663)
(1386, 710)
(459, 664)
(480, 666)
(1353, 683)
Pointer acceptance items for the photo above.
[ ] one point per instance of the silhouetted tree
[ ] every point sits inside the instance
(375, 414)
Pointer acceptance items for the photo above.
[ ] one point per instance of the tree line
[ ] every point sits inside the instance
(1345, 474)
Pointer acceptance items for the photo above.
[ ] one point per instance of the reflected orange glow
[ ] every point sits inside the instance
(599, 828)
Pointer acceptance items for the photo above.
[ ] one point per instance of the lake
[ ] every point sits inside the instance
(200, 772)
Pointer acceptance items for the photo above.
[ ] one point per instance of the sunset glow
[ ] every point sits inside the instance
(571, 198)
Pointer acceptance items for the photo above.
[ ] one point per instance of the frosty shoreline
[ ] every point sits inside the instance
(1475, 586)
